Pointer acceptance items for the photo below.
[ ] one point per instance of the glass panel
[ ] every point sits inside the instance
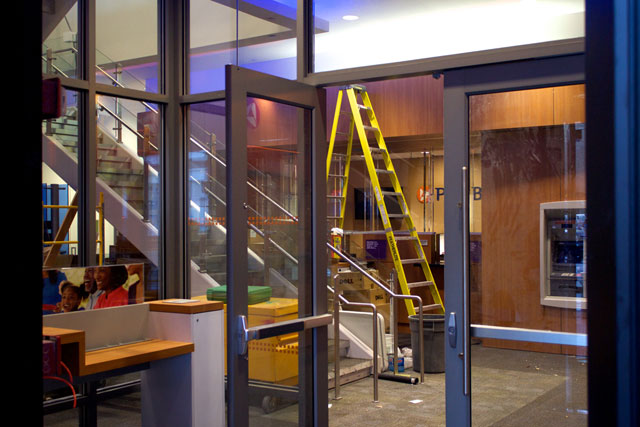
(278, 165)
(127, 43)
(128, 180)
(60, 33)
(206, 169)
(267, 37)
(59, 187)
(359, 33)
(264, 40)
(527, 252)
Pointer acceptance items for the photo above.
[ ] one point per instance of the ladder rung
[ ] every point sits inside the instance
(413, 261)
(374, 150)
(333, 175)
(428, 307)
(391, 193)
(371, 128)
(399, 238)
(338, 155)
(384, 171)
(398, 216)
(419, 284)
(342, 133)
(364, 107)
(334, 197)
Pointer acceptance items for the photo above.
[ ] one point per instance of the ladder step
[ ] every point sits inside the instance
(377, 150)
(342, 133)
(391, 193)
(384, 171)
(428, 307)
(371, 129)
(338, 155)
(334, 197)
(333, 175)
(419, 284)
(364, 107)
(398, 216)
(413, 261)
(402, 238)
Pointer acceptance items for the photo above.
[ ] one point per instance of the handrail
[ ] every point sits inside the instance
(336, 339)
(251, 226)
(252, 186)
(116, 117)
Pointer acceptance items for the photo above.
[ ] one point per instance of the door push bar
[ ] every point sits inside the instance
(271, 330)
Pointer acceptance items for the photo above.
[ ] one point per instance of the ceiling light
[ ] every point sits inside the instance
(350, 17)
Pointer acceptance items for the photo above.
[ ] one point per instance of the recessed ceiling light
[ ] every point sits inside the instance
(350, 17)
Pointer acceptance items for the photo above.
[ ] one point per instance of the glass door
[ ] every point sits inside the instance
(276, 253)
(516, 350)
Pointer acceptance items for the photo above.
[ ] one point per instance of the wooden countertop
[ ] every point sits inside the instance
(81, 362)
(198, 306)
(133, 354)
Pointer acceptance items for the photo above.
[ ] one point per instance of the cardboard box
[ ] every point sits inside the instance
(373, 296)
(272, 359)
(350, 281)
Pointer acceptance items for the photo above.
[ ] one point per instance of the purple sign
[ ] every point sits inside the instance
(376, 249)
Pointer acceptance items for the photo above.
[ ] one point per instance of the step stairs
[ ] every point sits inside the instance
(351, 369)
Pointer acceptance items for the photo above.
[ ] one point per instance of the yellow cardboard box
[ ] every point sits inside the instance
(272, 359)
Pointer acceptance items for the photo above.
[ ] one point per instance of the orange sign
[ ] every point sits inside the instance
(422, 194)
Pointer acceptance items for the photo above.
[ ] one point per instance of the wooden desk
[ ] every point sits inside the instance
(81, 362)
(183, 360)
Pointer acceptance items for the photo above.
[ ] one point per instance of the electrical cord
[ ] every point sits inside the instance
(67, 383)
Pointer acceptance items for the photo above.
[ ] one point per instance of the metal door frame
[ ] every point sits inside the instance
(240, 84)
(458, 86)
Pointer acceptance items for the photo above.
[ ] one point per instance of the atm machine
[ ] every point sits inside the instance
(563, 254)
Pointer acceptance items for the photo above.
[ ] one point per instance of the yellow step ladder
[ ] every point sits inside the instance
(340, 178)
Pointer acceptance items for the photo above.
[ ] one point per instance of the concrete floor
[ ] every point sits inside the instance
(510, 388)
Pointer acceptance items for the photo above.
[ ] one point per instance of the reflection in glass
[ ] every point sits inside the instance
(279, 244)
(527, 253)
(264, 41)
(60, 35)
(128, 176)
(59, 185)
(127, 44)
(206, 169)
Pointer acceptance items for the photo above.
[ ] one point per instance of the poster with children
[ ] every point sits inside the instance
(88, 288)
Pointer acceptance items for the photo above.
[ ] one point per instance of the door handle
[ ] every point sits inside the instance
(466, 341)
(452, 329)
(275, 329)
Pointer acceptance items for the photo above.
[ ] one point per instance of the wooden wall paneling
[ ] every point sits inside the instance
(505, 110)
(569, 104)
(518, 174)
(404, 107)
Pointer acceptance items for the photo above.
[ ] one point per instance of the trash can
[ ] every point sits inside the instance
(433, 350)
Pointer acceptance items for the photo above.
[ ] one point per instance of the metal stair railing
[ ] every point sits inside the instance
(336, 337)
(392, 294)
